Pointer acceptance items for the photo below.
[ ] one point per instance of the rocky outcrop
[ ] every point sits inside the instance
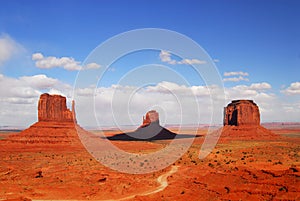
(149, 130)
(242, 122)
(54, 108)
(56, 125)
(151, 117)
(241, 112)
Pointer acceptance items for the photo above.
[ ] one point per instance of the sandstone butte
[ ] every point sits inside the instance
(149, 130)
(242, 121)
(56, 126)
(53, 108)
(151, 117)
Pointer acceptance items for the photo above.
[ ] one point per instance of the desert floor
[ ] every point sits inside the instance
(235, 170)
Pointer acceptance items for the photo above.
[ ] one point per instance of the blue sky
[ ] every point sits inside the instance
(261, 39)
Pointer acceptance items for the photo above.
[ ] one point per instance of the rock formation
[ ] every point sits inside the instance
(151, 117)
(56, 125)
(242, 122)
(54, 108)
(241, 112)
(149, 130)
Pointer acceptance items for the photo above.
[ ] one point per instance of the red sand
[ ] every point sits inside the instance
(252, 169)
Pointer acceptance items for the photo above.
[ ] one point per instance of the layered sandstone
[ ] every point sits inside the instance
(54, 108)
(241, 112)
(56, 125)
(242, 122)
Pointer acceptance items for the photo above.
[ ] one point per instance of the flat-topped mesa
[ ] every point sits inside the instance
(242, 122)
(241, 113)
(53, 108)
(151, 117)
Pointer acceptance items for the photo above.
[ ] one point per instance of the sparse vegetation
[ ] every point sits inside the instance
(277, 163)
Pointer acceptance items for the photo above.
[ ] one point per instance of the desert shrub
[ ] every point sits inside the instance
(277, 163)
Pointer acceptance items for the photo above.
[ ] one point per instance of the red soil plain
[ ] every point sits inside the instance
(48, 162)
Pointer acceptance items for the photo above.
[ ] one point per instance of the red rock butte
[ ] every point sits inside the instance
(149, 130)
(241, 112)
(56, 126)
(151, 117)
(54, 108)
(242, 121)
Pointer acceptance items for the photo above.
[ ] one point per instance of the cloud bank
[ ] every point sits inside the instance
(125, 105)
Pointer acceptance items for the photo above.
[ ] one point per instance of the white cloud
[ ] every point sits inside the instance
(67, 63)
(29, 86)
(165, 56)
(8, 48)
(235, 73)
(17, 100)
(235, 79)
(260, 86)
(39, 81)
(92, 66)
(171, 87)
(167, 87)
(89, 91)
(19, 97)
(237, 76)
(191, 61)
(293, 89)
(10, 87)
(244, 91)
(37, 56)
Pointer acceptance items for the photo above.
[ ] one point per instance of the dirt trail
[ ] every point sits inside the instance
(162, 180)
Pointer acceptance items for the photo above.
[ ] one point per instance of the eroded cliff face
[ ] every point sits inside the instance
(54, 108)
(241, 112)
